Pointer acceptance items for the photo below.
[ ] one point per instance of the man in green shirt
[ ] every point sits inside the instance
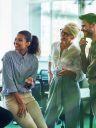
(89, 63)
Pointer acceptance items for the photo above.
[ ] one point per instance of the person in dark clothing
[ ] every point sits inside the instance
(5, 117)
(88, 61)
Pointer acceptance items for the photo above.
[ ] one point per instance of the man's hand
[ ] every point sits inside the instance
(83, 44)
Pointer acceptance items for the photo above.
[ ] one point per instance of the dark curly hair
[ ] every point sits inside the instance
(34, 47)
(27, 34)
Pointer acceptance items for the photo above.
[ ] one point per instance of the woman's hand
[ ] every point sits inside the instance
(65, 72)
(21, 106)
(28, 82)
(61, 72)
(50, 76)
(22, 110)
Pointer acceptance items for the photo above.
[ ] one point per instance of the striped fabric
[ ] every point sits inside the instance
(16, 68)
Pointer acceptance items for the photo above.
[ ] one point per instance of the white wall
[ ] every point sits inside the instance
(14, 17)
(5, 27)
(20, 16)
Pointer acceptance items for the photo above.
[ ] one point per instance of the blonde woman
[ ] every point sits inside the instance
(64, 93)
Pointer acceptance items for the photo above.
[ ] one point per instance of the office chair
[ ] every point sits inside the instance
(61, 121)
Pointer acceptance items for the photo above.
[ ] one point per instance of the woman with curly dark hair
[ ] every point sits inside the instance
(34, 47)
(19, 73)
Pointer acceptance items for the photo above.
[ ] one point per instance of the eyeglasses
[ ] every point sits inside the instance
(64, 33)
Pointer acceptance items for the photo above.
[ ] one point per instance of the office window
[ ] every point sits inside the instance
(46, 19)
(90, 6)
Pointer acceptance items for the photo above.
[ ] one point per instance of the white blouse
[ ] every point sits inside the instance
(69, 59)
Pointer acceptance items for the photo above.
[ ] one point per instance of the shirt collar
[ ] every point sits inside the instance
(20, 55)
(58, 46)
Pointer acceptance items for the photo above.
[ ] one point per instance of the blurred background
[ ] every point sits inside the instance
(43, 18)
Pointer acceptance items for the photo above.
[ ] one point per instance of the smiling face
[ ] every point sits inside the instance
(87, 29)
(21, 44)
(66, 36)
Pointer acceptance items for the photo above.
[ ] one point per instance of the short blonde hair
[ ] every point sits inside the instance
(72, 28)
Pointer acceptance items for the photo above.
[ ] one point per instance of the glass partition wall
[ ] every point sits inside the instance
(47, 18)
(43, 18)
